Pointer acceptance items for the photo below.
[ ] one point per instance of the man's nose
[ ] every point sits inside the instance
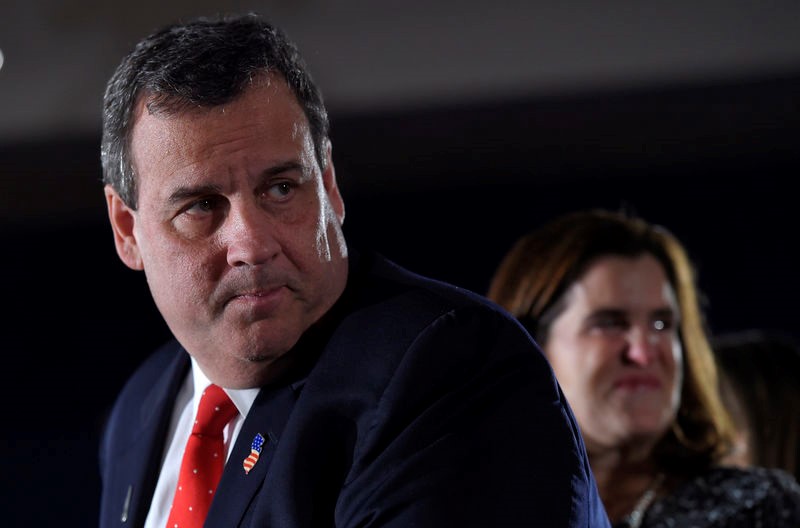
(249, 235)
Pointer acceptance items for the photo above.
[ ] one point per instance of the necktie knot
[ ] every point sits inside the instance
(214, 412)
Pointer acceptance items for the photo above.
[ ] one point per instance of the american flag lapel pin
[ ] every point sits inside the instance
(255, 452)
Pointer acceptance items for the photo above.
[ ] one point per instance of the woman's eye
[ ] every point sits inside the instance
(660, 325)
(609, 325)
(611, 322)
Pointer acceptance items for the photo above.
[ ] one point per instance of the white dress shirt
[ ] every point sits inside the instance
(180, 428)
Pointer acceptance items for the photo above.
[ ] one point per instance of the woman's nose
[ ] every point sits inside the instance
(642, 345)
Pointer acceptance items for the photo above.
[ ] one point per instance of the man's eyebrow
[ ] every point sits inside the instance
(184, 193)
(284, 167)
(181, 194)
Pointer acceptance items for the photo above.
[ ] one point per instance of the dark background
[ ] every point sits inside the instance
(442, 184)
(443, 191)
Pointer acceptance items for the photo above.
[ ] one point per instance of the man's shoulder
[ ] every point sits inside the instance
(144, 398)
(168, 363)
(384, 284)
(167, 357)
(394, 315)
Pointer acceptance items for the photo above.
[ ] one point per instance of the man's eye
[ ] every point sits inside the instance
(203, 206)
(280, 190)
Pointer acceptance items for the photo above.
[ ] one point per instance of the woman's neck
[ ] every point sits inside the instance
(623, 479)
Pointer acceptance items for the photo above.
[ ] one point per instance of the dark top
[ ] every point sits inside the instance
(418, 404)
(727, 497)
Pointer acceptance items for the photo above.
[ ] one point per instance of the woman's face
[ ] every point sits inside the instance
(616, 352)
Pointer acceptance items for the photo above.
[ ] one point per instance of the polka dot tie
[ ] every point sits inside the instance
(203, 460)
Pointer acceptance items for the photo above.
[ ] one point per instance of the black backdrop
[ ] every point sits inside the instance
(443, 191)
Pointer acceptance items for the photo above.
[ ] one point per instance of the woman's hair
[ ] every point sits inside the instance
(762, 371)
(534, 275)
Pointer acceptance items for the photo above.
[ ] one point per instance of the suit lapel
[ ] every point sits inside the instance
(267, 417)
(138, 465)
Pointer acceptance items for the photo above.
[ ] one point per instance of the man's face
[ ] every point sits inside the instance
(238, 230)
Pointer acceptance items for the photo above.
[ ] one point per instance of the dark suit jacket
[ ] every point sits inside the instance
(417, 404)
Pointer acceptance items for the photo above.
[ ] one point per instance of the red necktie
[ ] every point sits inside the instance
(203, 460)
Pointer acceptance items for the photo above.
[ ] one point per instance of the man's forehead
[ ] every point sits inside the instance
(266, 101)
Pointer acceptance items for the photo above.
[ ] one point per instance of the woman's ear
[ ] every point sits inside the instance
(122, 220)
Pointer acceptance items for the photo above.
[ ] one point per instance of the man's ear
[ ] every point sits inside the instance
(122, 220)
(331, 187)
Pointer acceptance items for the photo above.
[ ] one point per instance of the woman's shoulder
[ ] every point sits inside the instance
(731, 497)
(755, 479)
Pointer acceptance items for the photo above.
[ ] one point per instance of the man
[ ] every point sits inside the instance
(362, 394)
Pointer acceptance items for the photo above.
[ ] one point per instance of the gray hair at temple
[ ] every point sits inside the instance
(203, 63)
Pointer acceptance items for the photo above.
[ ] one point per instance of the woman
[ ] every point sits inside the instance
(612, 301)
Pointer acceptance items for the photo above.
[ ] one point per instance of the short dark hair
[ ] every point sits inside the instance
(203, 63)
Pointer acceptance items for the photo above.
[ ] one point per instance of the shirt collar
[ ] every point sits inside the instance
(242, 398)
